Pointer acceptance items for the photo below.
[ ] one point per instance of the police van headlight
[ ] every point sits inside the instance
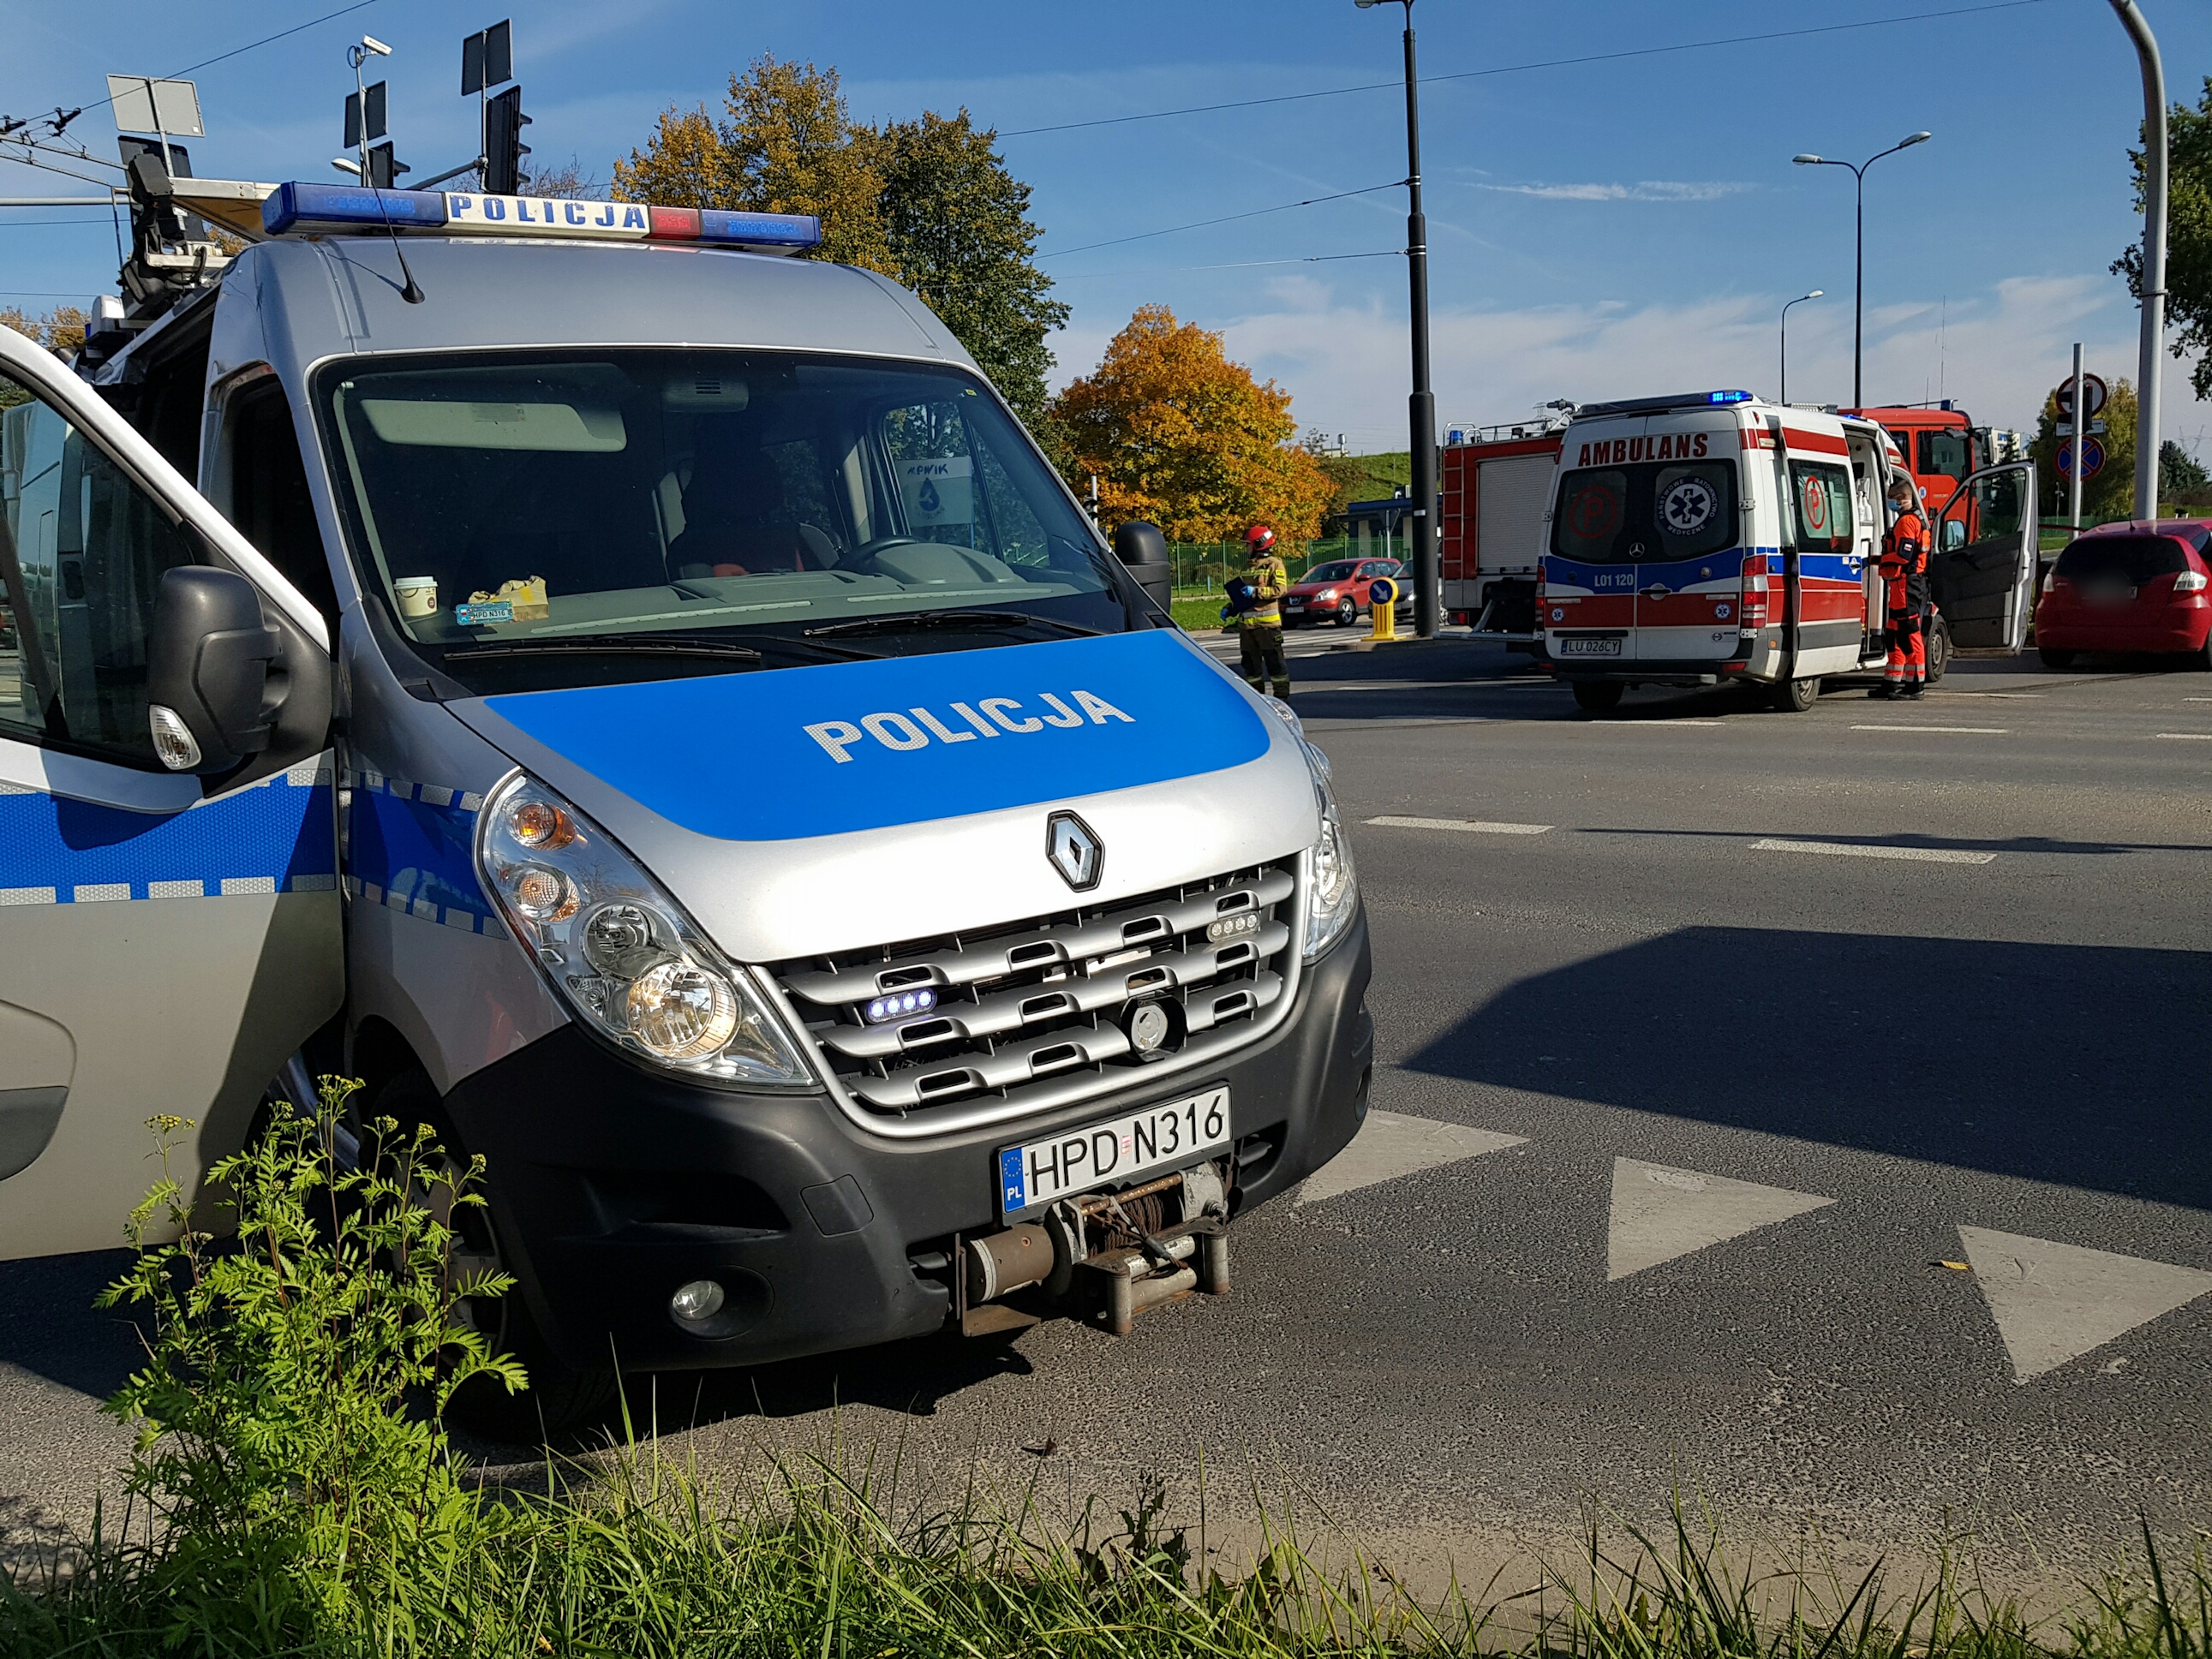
(619, 949)
(1332, 883)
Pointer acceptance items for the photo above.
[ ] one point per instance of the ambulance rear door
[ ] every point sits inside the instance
(1831, 532)
(1693, 517)
(1981, 571)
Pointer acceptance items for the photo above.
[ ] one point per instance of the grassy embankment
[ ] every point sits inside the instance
(295, 1494)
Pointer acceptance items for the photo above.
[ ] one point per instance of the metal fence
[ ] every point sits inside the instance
(1201, 567)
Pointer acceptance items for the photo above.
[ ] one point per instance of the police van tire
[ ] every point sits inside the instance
(1939, 649)
(559, 1397)
(1597, 696)
(1795, 697)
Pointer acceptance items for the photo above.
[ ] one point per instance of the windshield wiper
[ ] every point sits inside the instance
(902, 622)
(605, 646)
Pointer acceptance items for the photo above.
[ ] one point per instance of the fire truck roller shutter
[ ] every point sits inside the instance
(1511, 495)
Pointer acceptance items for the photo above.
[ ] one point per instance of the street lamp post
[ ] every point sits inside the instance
(1422, 406)
(1858, 296)
(1799, 300)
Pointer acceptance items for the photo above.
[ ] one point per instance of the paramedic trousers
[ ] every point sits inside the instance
(1260, 647)
(1908, 638)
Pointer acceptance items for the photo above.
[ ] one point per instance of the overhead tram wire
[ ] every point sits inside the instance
(252, 46)
(1234, 264)
(1518, 68)
(1226, 218)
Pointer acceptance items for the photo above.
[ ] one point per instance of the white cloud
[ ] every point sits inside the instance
(1646, 190)
(1996, 353)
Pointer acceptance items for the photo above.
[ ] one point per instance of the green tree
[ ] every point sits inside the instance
(927, 202)
(2111, 493)
(2180, 478)
(2188, 234)
(961, 237)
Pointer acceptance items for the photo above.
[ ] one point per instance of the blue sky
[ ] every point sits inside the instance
(1597, 229)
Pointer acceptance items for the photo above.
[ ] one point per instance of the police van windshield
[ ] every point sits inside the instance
(1645, 512)
(559, 519)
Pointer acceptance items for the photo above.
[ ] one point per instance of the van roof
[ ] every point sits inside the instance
(321, 297)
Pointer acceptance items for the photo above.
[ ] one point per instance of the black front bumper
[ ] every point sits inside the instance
(611, 1186)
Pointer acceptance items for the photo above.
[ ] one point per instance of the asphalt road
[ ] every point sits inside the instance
(1805, 1110)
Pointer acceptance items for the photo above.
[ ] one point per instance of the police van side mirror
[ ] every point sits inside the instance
(1144, 550)
(209, 664)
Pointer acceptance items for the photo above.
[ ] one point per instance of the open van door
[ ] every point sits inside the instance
(169, 929)
(1983, 570)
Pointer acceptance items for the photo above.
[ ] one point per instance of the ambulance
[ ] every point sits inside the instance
(643, 705)
(1710, 539)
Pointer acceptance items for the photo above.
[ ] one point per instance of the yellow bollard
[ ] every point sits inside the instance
(1382, 609)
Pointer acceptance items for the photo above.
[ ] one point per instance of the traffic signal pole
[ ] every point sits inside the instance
(2153, 263)
(2080, 438)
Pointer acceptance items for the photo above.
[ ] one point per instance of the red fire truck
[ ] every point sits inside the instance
(1493, 488)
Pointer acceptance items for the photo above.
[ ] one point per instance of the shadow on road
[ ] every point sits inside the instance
(52, 1330)
(2073, 1064)
(1952, 843)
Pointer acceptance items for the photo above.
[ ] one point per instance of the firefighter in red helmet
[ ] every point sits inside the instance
(1904, 585)
(1258, 616)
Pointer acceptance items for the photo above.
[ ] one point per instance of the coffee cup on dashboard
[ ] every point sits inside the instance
(417, 595)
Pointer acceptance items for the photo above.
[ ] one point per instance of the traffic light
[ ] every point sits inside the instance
(383, 169)
(503, 148)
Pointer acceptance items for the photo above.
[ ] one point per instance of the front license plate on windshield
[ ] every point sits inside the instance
(1168, 1137)
(1590, 647)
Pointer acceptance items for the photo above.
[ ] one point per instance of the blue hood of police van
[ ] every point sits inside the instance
(797, 752)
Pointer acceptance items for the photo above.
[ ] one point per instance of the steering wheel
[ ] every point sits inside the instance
(865, 554)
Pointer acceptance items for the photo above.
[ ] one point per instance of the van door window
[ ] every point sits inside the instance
(266, 491)
(1648, 512)
(1822, 494)
(83, 547)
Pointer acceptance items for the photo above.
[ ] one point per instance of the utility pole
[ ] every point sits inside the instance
(2153, 263)
(2081, 441)
(1421, 407)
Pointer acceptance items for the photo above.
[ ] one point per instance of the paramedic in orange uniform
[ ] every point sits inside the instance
(1904, 584)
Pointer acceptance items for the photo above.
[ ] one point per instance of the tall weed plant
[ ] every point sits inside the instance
(293, 1493)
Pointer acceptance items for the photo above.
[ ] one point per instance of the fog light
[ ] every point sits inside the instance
(696, 1303)
(1148, 1027)
(1239, 926)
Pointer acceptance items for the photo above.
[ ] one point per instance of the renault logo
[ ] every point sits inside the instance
(1074, 850)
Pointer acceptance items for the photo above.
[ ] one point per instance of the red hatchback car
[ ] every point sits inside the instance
(2130, 587)
(1337, 591)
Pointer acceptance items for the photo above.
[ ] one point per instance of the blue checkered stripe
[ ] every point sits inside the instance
(411, 849)
(273, 836)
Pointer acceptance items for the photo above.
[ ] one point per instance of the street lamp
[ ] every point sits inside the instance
(1422, 406)
(1799, 300)
(1859, 298)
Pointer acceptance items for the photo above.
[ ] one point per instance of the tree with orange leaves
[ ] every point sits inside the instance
(1179, 434)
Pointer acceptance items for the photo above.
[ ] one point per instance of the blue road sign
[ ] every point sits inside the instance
(2092, 459)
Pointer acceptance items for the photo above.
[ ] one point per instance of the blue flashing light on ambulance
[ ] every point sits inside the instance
(644, 705)
(1707, 539)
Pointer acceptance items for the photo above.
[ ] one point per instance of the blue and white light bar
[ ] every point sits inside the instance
(301, 209)
(1678, 400)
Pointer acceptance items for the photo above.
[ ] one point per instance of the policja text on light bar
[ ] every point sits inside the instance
(300, 209)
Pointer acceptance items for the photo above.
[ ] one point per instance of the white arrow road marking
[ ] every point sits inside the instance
(1390, 1144)
(1861, 850)
(1473, 826)
(2054, 1302)
(1659, 1214)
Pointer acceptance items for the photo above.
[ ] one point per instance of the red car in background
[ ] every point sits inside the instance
(1337, 591)
(2144, 587)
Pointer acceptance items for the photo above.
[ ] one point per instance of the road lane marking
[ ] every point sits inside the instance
(1969, 731)
(1469, 825)
(2053, 1303)
(1390, 1144)
(2010, 696)
(2185, 736)
(1640, 726)
(1851, 849)
(1659, 1214)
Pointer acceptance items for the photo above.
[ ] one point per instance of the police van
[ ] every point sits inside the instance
(1711, 539)
(645, 705)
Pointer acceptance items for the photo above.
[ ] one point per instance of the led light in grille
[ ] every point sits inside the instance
(902, 1005)
(1237, 926)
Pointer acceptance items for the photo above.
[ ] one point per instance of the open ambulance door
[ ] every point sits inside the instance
(1983, 569)
(169, 938)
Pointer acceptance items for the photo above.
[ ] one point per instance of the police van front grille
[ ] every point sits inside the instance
(1037, 1014)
